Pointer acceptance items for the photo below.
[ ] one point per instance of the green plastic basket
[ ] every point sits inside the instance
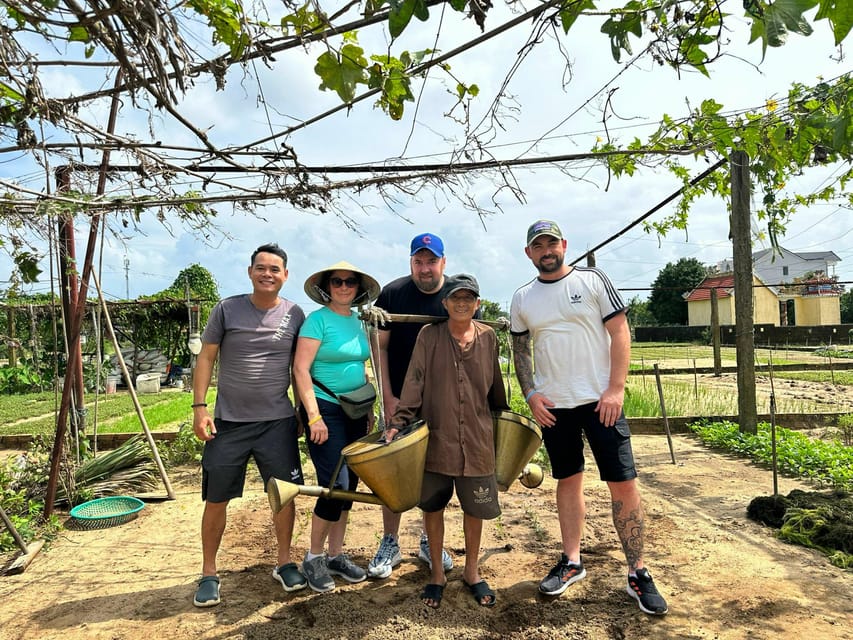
(105, 512)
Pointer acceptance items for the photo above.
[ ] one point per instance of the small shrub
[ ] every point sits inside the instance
(184, 449)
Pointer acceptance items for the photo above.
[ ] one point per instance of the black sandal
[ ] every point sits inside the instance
(482, 590)
(433, 592)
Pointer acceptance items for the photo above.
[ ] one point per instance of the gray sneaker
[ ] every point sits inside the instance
(423, 554)
(387, 557)
(561, 576)
(345, 568)
(317, 574)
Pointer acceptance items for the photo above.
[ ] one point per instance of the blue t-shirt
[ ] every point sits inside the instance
(339, 363)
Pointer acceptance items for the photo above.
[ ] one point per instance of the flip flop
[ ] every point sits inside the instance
(482, 590)
(207, 594)
(433, 592)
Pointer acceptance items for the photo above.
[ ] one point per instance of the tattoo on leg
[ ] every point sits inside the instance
(630, 527)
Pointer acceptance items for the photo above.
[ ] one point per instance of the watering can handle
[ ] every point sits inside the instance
(403, 431)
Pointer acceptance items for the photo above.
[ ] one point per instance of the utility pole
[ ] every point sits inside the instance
(126, 278)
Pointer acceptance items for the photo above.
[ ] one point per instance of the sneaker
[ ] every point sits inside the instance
(642, 588)
(317, 574)
(561, 576)
(423, 554)
(345, 568)
(289, 577)
(387, 557)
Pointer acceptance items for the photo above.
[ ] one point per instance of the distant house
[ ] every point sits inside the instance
(766, 301)
(812, 302)
(778, 266)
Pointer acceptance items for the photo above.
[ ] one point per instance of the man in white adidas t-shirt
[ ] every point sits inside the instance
(574, 319)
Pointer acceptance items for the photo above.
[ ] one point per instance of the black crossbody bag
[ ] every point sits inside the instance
(356, 403)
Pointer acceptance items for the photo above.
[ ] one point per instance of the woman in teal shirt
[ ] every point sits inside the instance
(332, 349)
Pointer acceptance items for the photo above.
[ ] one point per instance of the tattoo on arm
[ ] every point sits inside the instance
(523, 360)
(631, 529)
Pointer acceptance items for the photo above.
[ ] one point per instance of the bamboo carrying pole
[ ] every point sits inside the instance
(410, 317)
(132, 389)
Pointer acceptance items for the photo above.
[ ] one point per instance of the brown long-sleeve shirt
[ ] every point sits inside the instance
(455, 390)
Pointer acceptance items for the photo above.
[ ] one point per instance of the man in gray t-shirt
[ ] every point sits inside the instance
(253, 336)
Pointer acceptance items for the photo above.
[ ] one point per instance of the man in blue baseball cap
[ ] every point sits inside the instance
(419, 293)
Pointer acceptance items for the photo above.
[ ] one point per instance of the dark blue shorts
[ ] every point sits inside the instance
(611, 446)
(342, 431)
(273, 444)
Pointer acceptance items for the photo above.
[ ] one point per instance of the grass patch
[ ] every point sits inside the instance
(684, 398)
(34, 413)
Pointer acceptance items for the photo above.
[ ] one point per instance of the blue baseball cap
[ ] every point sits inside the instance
(428, 241)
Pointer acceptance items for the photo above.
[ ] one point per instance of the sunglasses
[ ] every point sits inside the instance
(339, 282)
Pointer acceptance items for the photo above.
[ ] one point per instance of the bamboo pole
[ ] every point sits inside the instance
(131, 387)
(663, 412)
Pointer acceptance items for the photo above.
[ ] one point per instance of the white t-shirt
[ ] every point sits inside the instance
(571, 346)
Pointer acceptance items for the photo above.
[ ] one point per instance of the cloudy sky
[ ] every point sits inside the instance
(552, 113)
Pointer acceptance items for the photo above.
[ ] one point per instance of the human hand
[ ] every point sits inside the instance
(203, 425)
(390, 432)
(539, 405)
(318, 432)
(391, 404)
(609, 406)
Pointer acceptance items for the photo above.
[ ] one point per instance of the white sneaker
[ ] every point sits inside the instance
(387, 557)
(423, 554)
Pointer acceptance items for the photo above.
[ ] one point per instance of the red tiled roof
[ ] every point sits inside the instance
(723, 283)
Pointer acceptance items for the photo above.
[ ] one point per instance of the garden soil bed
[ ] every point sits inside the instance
(725, 577)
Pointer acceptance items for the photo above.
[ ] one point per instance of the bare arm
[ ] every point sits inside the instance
(203, 425)
(306, 351)
(609, 407)
(523, 360)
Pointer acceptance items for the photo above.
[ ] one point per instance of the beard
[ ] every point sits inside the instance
(550, 267)
(427, 284)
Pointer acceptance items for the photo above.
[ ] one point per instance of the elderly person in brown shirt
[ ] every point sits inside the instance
(454, 382)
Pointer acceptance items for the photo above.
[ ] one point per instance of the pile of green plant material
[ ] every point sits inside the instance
(819, 520)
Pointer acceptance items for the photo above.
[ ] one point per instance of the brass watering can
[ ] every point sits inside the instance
(517, 439)
(393, 471)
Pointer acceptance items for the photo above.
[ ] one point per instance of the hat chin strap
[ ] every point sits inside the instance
(361, 299)
(325, 297)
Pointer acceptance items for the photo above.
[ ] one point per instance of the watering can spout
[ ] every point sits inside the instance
(280, 493)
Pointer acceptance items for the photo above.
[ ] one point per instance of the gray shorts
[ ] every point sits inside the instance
(478, 495)
(273, 444)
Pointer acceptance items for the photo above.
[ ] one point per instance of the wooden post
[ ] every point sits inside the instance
(10, 321)
(741, 234)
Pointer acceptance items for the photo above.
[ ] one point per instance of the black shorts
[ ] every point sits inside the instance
(478, 496)
(273, 444)
(611, 446)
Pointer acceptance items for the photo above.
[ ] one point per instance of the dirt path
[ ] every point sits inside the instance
(725, 577)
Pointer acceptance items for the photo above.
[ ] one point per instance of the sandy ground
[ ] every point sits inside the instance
(724, 576)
